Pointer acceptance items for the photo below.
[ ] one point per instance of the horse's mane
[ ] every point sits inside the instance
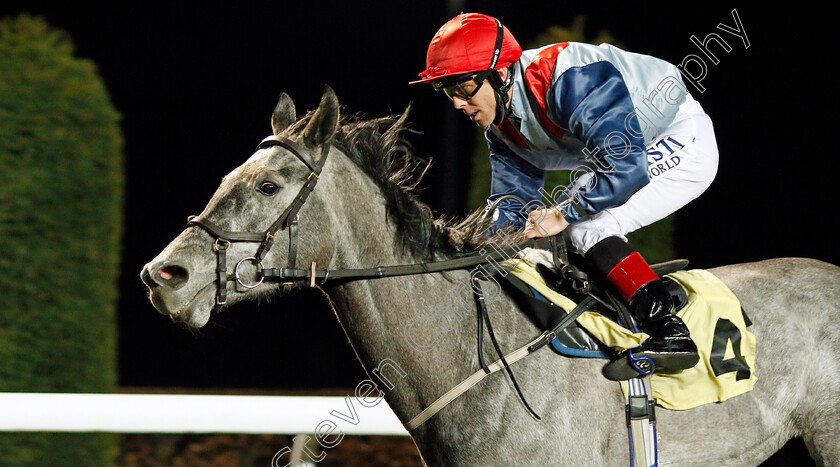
(378, 146)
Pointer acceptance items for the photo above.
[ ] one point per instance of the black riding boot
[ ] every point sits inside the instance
(669, 346)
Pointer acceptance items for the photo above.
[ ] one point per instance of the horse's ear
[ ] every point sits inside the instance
(284, 114)
(324, 122)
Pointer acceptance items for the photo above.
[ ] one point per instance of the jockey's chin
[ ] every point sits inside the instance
(485, 118)
(482, 116)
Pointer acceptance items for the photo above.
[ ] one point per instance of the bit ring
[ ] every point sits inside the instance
(239, 280)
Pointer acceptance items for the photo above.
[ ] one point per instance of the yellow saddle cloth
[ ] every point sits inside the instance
(716, 323)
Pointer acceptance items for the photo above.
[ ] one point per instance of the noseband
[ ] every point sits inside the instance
(288, 220)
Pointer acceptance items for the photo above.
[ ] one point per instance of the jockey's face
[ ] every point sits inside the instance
(480, 108)
(476, 100)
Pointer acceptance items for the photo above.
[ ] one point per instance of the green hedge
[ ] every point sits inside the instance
(61, 193)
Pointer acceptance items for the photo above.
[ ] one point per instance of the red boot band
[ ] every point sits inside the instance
(630, 274)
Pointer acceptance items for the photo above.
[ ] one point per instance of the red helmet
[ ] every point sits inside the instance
(467, 44)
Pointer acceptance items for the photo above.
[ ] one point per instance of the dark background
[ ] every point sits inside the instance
(196, 85)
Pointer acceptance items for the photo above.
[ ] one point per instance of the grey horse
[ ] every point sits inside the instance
(413, 334)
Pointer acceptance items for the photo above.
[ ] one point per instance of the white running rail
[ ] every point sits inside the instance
(170, 413)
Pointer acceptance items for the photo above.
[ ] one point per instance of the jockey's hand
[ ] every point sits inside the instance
(545, 222)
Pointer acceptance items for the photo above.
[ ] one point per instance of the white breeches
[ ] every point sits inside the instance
(683, 161)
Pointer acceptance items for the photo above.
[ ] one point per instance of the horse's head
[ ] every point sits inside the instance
(251, 218)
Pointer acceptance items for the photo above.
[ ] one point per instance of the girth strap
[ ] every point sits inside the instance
(465, 386)
(503, 362)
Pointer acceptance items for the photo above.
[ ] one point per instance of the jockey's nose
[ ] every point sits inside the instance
(458, 103)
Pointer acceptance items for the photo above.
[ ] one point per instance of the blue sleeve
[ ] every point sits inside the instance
(593, 102)
(512, 175)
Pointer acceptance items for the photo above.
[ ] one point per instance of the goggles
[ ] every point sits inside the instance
(464, 88)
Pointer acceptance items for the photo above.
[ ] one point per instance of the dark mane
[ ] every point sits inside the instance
(379, 148)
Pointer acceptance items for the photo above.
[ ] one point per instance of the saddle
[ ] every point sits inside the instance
(573, 340)
(582, 318)
(571, 278)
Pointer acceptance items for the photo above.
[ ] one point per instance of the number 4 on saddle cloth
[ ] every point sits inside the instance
(710, 310)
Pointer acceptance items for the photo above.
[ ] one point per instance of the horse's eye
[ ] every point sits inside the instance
(268, 188)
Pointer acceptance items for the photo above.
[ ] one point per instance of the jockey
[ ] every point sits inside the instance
(638, 145)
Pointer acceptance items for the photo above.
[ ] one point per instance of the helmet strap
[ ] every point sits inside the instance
(500, 89)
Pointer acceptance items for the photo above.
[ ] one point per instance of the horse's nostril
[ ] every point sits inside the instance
(167, 273)
(173, 275)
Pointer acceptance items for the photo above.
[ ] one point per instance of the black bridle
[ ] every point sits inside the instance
(289, 219)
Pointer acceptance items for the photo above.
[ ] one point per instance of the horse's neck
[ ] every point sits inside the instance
(415, 335)
(407, 330)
